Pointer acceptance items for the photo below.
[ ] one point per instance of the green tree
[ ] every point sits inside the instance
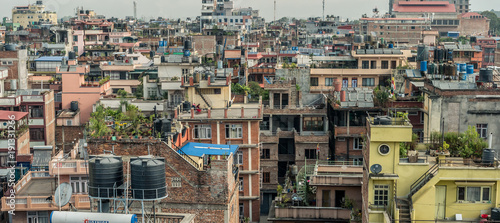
(122, 93)
(494, 21)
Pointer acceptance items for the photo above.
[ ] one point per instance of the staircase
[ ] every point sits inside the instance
(203, 97)
(404, 210)
(406, 205)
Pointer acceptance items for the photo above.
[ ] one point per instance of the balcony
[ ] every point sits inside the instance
(41, 203)
(10, 101)
(68, 167)
(250, 111)
(36, 121)
(310, 213)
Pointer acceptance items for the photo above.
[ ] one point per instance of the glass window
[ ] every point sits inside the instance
(241, 184)
(482, 130)
(202, 131)
(266, 177)
(329, 81)
(310, 153)
(176, 182)
(239, 157)
(474, 194)
(266, 154)
(234, 131)
(313, 124)
(367, 82)
(381, 195)
(365, 64)
(354, 82)
(385, 64)
(314, 81)
(78, 184)
(345, 83)
(357, 144)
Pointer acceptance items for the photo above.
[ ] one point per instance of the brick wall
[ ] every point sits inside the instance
(70, 133)
(209, 193)
(13, 69)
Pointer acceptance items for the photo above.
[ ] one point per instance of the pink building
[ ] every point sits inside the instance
(75, 88)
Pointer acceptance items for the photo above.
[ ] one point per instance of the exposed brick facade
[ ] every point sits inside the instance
(210, 194)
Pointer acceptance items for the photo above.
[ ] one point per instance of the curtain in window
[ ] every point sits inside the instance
(473, 193)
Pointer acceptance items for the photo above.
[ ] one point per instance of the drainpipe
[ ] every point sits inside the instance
(490, 140)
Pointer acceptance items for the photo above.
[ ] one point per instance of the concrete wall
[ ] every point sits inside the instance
(301, 76)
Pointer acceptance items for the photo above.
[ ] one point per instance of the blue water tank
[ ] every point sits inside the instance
(391, 45)
(423, 66)
(463, 67)
(187, 53)
(463, 76)
(470, 69)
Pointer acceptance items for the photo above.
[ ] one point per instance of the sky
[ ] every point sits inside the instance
(351, 9)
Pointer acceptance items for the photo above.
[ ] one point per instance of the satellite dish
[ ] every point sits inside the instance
(376, 168)
(64, 190)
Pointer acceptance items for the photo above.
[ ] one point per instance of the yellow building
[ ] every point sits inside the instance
(427, 189)
(209, 91)
(33, 14)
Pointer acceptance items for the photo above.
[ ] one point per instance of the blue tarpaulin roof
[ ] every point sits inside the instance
(200, 149)
(52, 58)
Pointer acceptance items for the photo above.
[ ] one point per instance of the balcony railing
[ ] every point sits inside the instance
(36, 121)
(10, 101)
(32, 98)
(68, 167)
(33, 203)
(312, 213)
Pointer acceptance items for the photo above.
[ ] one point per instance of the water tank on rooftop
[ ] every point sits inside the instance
(71, 55)
(382, 120)
(187, 53)
(422, 53)
(485, 75)
(186, 106)
(463, 67)
(188, 45)
(13, 84)
(463, 76)
(440, 55)
(151, 54)
(74, 105)
(10, 47)
(105, 172)
(166, 125)
(423, 66)
(391, 46)
(470, 69)
(148, 177)
(488, 156)
(495, 212)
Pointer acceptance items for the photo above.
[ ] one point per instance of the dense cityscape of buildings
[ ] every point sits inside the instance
(227, 117)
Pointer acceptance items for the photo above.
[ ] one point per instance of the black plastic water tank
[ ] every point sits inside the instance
(74, 105)
(485, 75)
(148, 177)
(495, 214)
(105, 172)
(151, 54)
(166, 125)
(488, 156)
(187, 45)
(71, 55)
(186, 106)
(158, 125)
(383, 120)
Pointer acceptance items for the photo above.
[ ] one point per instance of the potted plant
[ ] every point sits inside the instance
(466, 153)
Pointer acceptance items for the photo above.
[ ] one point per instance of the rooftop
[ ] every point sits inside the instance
(427, 6)
(6, 115)
(200, 149)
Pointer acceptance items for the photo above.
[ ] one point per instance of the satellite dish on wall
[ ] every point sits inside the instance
(376, 168)
(64, 190)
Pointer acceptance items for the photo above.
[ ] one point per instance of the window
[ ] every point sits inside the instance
(314, 81)
(69, 122)
(266, 154)
(368, 82)
(176, 182)
(242, 210)
(7, 63)
(202, 131)
(37, 134)
(357, 161)
(266, 177)
(37, 217)
(4, 159)
(473, 194)
(385, 64)
(239, 157)
(185, 71)
(75, 38)
(217, 91)
(310, 153)
(329, 81)
(482, 130)
(241, 183)
(365, 64)
(357, 144)
(354, 82)
(234, 131)
(381, 195)
(79, 184)
(35, 111)
(313, 124)
(152, 92)
(345, 82)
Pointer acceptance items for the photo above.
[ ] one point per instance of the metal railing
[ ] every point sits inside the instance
(423, 179)
(187, 157)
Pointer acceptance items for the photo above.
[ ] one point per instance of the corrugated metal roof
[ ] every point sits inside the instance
(42, 156)
(50, 59)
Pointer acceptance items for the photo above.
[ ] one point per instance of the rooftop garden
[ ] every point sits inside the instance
(107, 122)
